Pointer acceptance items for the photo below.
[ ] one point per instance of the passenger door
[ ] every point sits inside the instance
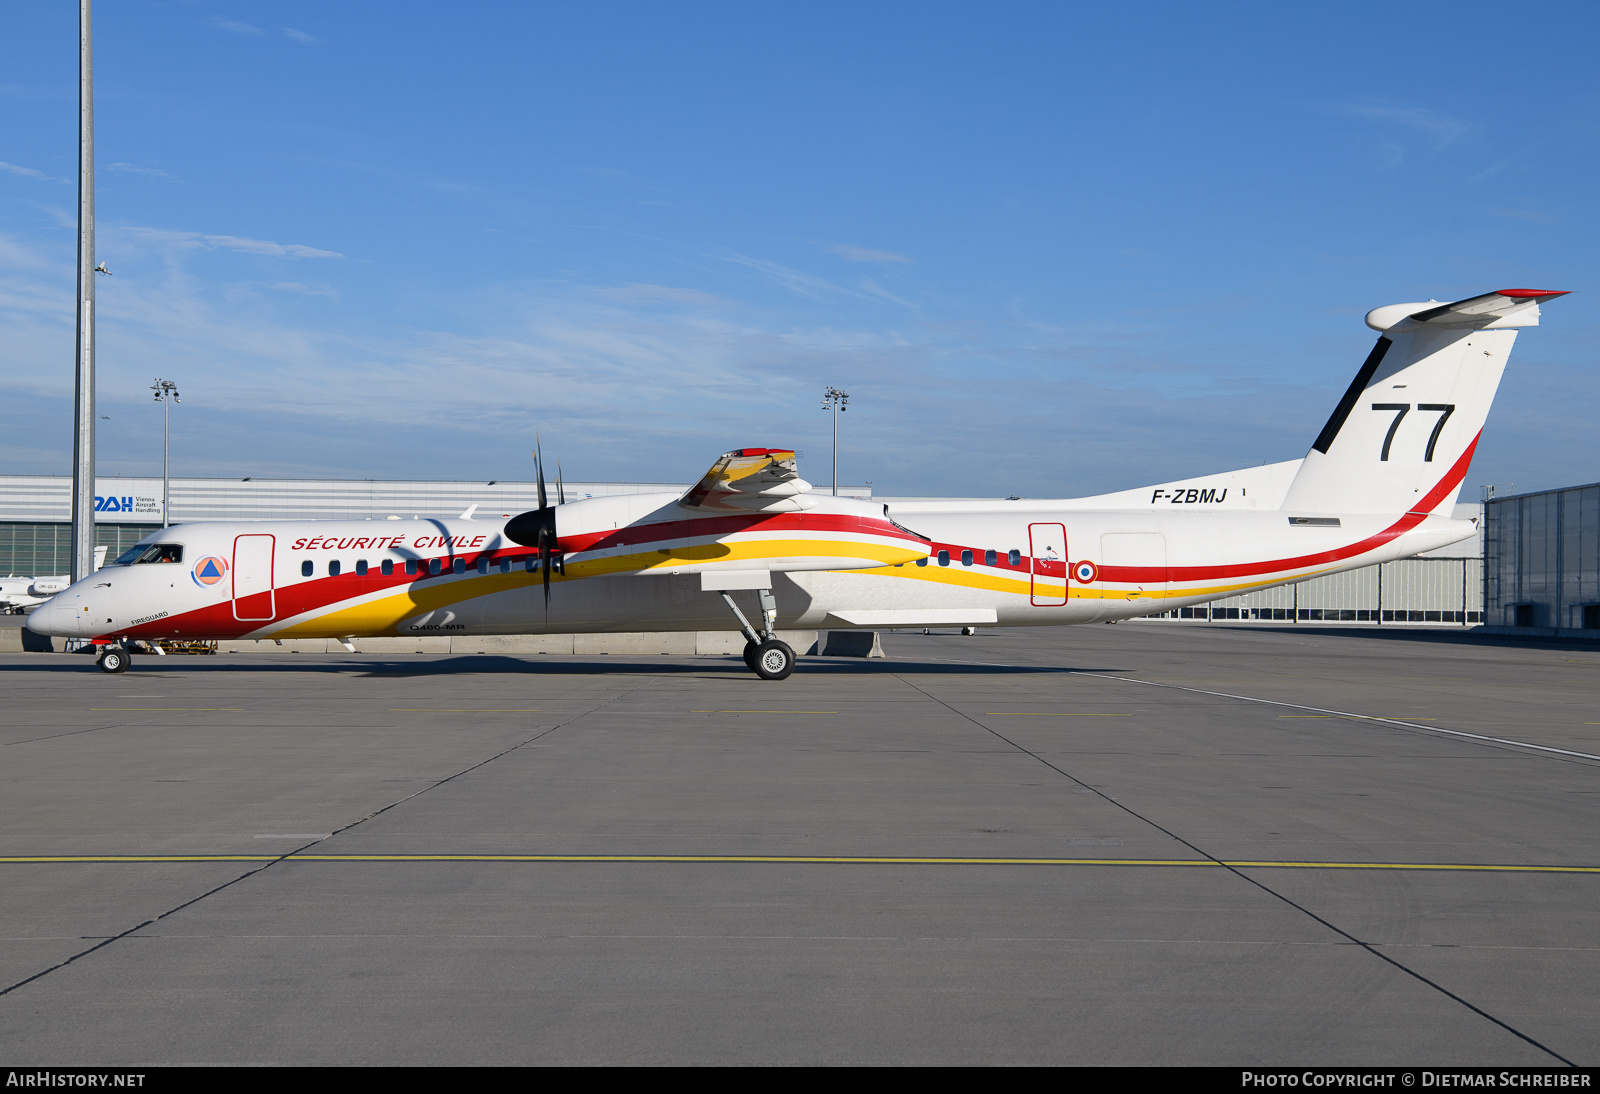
(253, 598)
(1047, 548)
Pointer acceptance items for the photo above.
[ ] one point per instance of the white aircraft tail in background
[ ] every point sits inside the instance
(1415, 410)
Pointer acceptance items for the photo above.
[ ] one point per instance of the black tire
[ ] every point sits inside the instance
(114, 659)
(750, 655)
(774, 660)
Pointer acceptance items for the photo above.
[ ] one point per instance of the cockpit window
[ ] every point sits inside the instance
(151, 552)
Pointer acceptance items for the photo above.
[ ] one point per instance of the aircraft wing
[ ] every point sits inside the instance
(750, 480)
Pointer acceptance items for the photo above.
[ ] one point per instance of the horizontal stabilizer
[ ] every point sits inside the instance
(1491, 311)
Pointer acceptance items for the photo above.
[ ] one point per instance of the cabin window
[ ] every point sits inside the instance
(305, 568)
(505, 565)
(944, 558)
(459, 566)
(361, 567)
(1015, 556)
(922, 562)
(411, 565)
(483, 565)
(387, 568)
(530, 564)
(333, 567)
(989, 557)
(966, 558)
(434, 566)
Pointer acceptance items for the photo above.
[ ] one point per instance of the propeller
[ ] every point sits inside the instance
(537, 528)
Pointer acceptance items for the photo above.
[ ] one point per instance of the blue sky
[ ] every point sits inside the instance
(1049, 249)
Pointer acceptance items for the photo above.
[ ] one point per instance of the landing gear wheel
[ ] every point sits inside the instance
(774, 660)
(114, 659)
(750, 649)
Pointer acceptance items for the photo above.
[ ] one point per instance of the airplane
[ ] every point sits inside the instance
(1378, 484)
(18, 594)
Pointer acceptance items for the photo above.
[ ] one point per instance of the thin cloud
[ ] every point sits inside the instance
(200, 240)
(638, 294)
(130, 169)
(304, 290)
(28, 172)
(299, 36)
(802, 284)
(1441, 130)
(236, 28)
(851, 253)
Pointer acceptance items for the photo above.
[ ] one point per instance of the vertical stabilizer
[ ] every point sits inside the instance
(1402, 437)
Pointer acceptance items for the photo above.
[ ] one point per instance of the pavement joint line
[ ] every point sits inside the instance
(814, 860)
(8, 989)
(1323, 711)
(1249, 878)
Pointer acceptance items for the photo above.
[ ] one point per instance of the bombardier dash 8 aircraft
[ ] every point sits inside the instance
(1378, 484)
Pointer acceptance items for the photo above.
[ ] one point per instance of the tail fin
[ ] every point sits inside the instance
(1402, 437)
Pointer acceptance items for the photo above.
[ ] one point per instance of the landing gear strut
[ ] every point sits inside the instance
(766, 656)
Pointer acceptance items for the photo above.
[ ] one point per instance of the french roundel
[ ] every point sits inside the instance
(210, 570)
(1085, 572)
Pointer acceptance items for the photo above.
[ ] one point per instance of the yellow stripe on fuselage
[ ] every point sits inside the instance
(382, 614)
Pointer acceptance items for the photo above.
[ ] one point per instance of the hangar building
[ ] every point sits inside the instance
(1542, 561)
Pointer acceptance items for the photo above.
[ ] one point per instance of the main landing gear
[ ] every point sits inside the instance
(764, 653)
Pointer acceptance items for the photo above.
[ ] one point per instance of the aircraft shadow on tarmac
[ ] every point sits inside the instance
(558, 665)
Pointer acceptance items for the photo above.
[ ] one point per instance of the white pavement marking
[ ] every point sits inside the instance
(1297, 706)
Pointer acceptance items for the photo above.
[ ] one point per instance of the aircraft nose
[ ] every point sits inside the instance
(47, 618)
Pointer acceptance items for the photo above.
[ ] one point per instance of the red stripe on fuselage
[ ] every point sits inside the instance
(1416, 516)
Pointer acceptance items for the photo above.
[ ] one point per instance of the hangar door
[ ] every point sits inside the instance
(252, 577)
(1047, 547)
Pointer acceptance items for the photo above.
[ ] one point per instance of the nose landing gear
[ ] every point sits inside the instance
(114, 659)
(764, 653)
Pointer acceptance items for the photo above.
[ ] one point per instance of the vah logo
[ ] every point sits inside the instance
(208, 571)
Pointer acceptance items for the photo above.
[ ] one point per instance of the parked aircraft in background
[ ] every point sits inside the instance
(18, 594)
(1378, 484)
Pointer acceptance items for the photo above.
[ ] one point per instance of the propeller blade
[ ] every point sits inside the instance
(561, 492)
(544, 567)
(538, 462)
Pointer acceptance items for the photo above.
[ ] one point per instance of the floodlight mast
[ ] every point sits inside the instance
(83, 395)
(835, 400)
(166, 394)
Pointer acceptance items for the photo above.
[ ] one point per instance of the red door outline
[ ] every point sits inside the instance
(1047, 550)
(253, 561)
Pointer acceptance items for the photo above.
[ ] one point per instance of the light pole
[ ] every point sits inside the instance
(83, 388)
(166, 394)
(835, 400)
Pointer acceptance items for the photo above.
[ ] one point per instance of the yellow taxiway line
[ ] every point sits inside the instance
(818, 860)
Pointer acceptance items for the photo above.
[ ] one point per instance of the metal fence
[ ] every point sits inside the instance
(1413, 590)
